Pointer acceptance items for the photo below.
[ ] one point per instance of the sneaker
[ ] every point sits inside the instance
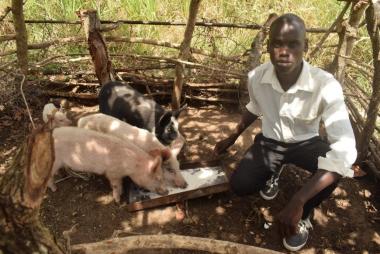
(297, 241)
(271, 189)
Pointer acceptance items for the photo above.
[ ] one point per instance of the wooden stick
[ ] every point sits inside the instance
(44, 45)
(21, 35)
(363, 102)
(7, 37)
(87, 96)
(358, 118)
(373, 168)
(333, 25)
(184, 54)
(374, 103)
(97, 46)
(123, 245)
(169, 45)
(5, 12)
(172, 23)
(257, 44)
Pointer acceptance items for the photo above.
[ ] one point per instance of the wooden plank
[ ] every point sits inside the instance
(215, 182)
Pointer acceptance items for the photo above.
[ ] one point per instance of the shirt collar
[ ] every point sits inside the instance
(304, 81)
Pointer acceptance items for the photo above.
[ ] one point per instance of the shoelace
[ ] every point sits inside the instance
(304, 225)
(272, 181)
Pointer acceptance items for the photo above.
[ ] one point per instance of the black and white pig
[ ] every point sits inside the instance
(125, 103)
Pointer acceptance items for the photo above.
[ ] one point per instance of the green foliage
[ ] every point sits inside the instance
(227, 41)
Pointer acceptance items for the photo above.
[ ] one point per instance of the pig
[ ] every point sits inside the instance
(91, 151)
(142, 138)
(56, 116)
(125, 103)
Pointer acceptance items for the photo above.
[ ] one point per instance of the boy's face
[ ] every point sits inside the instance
(286, 46)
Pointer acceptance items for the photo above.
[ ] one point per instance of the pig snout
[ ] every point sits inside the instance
(162, 191)
(181, 183)
(174, 178)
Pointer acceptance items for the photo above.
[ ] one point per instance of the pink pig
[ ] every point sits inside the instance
(142, 138)
(91, 151)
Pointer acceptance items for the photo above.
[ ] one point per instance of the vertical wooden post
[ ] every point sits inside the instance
(184, 54)
(347, 37)
(372, 19)
(22, 189)
(257, 44)
(96, 45)
(21, 35)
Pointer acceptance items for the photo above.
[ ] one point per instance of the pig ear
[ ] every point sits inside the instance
(165, 154)
(156, 164)
(176, 113)
(155, 152)
(165, 118)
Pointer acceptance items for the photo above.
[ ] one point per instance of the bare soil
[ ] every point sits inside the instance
(348, 222)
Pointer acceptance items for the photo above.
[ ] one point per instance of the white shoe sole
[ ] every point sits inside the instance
(288, 247)
(267, 197)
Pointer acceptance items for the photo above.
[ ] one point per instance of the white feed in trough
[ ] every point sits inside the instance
(201, 181)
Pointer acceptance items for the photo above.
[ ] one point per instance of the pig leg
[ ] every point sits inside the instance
(116, 185)
(51, 183)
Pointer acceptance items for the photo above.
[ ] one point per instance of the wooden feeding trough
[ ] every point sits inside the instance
(203, 178)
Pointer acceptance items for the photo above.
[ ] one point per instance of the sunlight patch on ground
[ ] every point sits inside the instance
(352, 238)
(154, 217)
(343, 203)
(339, 192)
(220, 210)
(105, 199)
(321, 218)
(376, 238)
(365, 193)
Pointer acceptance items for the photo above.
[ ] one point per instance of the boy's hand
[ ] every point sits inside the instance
(224, 144)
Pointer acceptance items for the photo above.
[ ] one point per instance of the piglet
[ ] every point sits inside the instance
(56, 116)
(91, 151)
(142, 138)
(125, 103)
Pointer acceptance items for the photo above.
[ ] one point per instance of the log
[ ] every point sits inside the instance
(22, 188)
(144, 242)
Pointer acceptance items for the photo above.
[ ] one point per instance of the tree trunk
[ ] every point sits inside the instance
(21, 35)
(184, 54)
(97, 46)
(374, 103)
(22, 188)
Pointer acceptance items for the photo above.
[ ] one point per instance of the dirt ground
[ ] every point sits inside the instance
(349, 222)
